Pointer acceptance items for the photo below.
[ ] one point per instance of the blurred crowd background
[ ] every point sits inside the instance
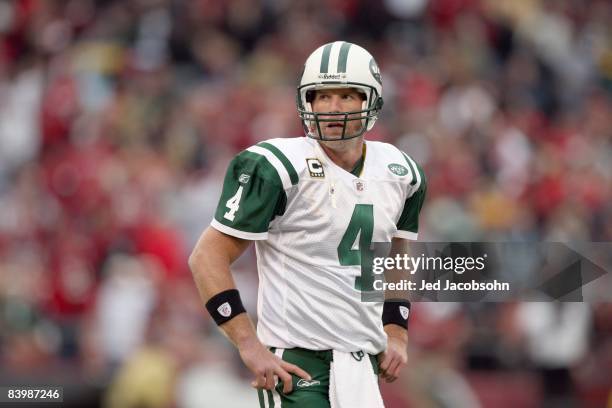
(118, 119)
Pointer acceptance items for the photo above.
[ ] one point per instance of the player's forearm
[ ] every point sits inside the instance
(211, 272)
(399, 247)
(210, 262)
(210, 265)
(211, 277)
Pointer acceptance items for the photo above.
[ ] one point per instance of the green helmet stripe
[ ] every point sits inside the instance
(325, 58)
(343, 56)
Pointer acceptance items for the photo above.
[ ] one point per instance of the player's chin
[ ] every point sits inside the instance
(332, 136)
(338, 134)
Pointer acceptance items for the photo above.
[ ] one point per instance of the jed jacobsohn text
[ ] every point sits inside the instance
(404, 284)
(411, 264)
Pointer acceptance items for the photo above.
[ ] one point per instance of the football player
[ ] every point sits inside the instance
(314, 205)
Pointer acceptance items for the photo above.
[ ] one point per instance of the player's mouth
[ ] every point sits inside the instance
(332, 125)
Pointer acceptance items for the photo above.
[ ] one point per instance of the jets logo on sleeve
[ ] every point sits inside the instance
(397, 169)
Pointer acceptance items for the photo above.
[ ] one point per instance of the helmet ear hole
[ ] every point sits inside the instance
(310, 95)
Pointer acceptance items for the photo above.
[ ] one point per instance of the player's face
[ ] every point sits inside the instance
(335, 101)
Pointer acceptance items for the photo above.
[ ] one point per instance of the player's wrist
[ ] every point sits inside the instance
(246, 341)
(396, 312)
(396, 331)
(225, 305)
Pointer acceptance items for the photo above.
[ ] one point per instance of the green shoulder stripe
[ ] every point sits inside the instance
(253, 162)
(409, 218)
(283, 159)
(410, 166)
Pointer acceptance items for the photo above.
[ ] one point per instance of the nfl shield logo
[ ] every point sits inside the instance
(359, 186)
(225, 310)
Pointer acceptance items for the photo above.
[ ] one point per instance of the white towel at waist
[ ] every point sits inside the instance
(352, 382)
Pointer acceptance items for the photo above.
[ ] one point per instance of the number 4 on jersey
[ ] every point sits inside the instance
(362, 226)
(233, 204)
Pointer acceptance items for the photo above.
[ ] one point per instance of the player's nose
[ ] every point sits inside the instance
(335, 103)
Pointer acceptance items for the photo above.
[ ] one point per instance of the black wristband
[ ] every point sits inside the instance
(396, 312)
(224, 306)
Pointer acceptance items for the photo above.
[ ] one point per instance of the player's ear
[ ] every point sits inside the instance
(310, 95)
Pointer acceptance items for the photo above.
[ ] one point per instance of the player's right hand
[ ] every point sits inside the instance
(266, 365)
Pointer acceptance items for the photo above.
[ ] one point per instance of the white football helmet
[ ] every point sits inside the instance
(340, 65)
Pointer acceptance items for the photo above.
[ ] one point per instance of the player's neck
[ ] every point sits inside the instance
(345, 153)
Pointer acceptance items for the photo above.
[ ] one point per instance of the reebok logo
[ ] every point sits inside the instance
(305, 383)
(244, 178)
(332, 76)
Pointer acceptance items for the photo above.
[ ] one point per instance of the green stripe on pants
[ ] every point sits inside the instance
(310, 394)
(260, 397)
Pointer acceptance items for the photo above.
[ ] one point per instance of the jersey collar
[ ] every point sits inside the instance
(357, 171)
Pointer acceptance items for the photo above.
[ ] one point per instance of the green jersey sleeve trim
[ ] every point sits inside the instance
(251, 236)
(293, 176)
(413, 236)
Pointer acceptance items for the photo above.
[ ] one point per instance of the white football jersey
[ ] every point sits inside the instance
(310, 220)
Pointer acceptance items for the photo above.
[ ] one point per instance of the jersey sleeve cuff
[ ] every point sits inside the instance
(406, 235)
(251, 236)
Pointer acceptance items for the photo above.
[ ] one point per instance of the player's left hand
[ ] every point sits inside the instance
(395, 357)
